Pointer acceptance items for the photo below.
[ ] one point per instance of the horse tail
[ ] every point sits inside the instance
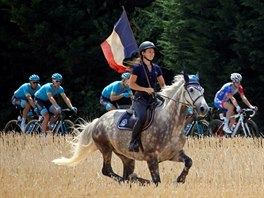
(82, 144)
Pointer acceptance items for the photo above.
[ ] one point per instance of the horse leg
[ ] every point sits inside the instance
(153, 165)
(107, 168)
(128, 170)
(187, 165)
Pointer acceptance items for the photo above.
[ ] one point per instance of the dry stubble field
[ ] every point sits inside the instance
(228, 168)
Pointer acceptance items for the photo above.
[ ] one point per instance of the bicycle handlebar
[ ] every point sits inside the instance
(243, 111)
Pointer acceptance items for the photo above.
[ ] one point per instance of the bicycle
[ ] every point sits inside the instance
(14, 125)
(245, 126)
(61, 126)
(198, 125)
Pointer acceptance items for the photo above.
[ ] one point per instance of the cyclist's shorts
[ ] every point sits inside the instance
(43, 106)
(107, 103)
(219, 104)
(18, 102)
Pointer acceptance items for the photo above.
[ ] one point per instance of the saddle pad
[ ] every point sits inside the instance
(127, 121)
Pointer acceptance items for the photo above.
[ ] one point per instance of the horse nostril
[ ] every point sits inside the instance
(202, 109)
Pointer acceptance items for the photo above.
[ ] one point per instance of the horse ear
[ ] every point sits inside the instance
(186, 77)
(197, 75)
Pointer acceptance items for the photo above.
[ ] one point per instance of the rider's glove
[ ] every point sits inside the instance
(126, 95)
(238, 109)
(58, 108)
(74, 109)
(36, 109)
(253, 107)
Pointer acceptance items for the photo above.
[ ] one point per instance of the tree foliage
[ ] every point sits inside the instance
(214, 38)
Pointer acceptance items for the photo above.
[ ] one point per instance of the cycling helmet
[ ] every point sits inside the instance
(125, 75)
(34, 77)
(236, 77)
(146, 45)
(57, 76)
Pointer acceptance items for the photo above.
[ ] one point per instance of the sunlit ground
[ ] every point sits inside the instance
(221, 168)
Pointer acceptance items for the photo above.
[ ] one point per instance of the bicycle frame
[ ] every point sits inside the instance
(242, 122)
(59, 124)
(196, 123)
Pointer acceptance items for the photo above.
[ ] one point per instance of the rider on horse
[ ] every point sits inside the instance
(143, 79)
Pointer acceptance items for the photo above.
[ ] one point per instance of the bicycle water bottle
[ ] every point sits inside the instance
(187, 128)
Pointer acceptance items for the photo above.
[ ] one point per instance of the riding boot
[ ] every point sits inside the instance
(134, 142)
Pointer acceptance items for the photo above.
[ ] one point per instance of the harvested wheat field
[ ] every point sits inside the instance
(221, 168)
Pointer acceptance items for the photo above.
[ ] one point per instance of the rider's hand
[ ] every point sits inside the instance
(74, 109)
(238, 109)
(126, 95)
(149, 90)
(255, 108)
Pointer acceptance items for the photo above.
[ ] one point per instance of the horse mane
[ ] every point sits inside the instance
(170, 90)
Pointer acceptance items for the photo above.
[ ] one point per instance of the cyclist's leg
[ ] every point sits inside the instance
(42, 107)
(107, 104)
(55, 113)
(230, 111)
(21, 103)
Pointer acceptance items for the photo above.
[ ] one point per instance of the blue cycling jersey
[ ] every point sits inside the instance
(142, 81)
(46, 89)
(227, 89)
(115, 89)
(25, 90)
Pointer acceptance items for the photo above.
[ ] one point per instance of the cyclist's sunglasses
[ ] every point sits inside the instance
(58, 81)
(35, 82)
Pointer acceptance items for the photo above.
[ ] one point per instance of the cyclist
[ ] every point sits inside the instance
(143, 79)
(45, 101)
(23, 97)
(225, 100)
(116, 91)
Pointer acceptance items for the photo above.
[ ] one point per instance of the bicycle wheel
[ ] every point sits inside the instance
(215, 128)
(33, 127)
(253, 128)
(12, 127)
(65, 127)
(201, 128)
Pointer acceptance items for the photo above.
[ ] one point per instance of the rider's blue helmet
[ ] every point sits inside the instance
(57, 76)
(125, 75)
(34, 77)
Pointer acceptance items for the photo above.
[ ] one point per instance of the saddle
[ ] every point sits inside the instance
(128, 118)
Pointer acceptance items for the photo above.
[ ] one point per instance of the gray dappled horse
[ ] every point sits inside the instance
(163, 140)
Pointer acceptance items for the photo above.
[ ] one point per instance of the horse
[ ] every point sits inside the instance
(162, 141)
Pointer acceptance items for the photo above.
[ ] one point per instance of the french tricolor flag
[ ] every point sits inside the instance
(121, 44)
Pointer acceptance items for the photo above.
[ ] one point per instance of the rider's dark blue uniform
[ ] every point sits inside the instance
(142, 100)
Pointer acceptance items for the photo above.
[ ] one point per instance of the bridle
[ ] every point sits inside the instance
(196, 86)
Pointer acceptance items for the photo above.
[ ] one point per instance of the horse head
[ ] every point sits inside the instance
(194, 94)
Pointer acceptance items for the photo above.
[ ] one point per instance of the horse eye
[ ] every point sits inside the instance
(191, 90)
